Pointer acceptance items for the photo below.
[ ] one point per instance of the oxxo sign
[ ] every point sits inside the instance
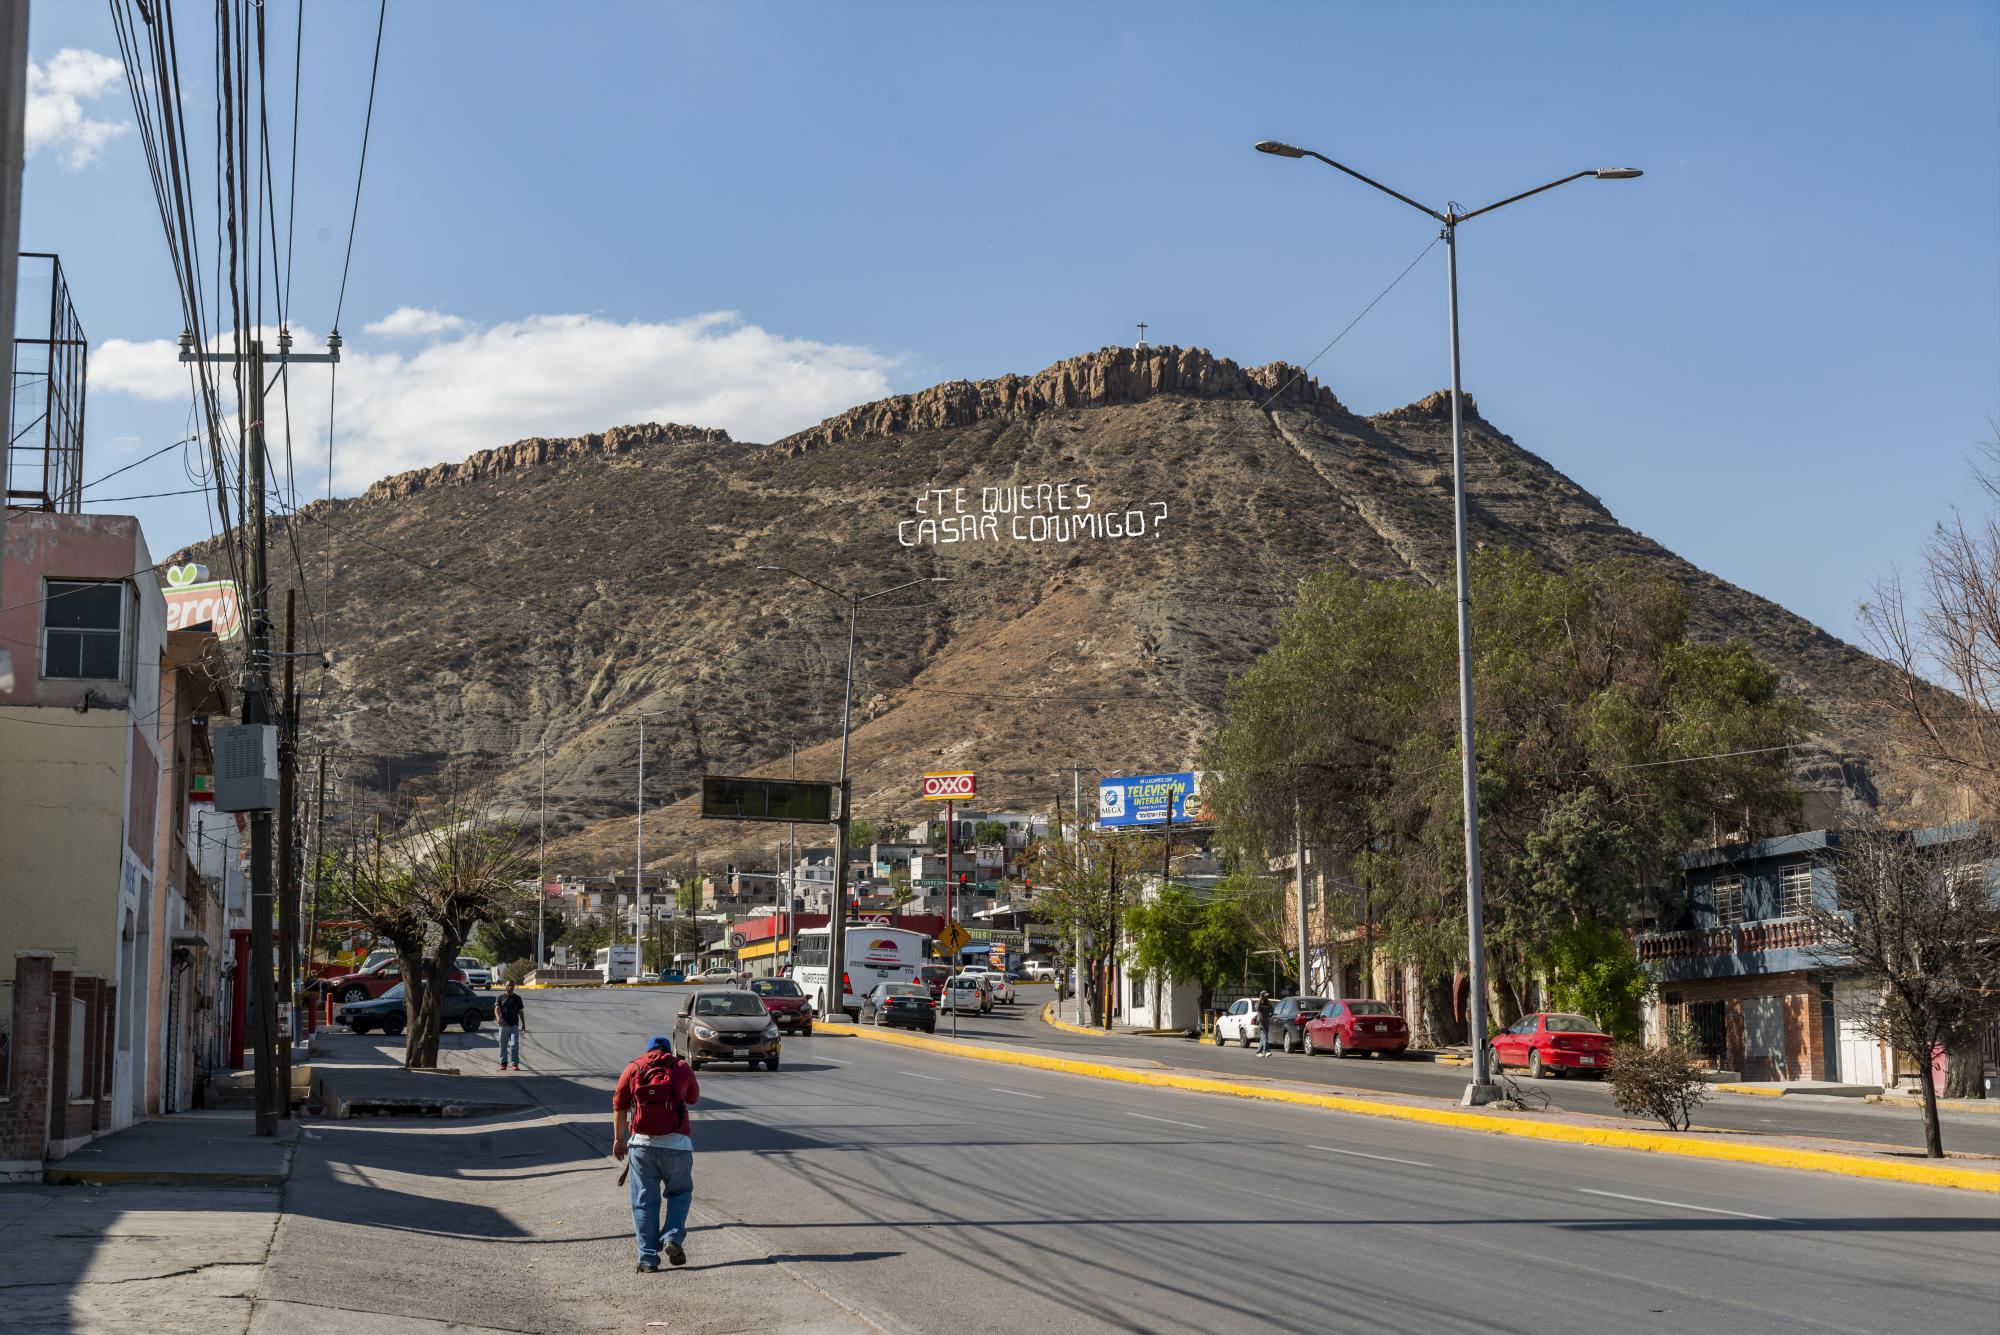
(950, 787)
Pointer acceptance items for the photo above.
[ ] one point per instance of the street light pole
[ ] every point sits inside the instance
(1481, 1089)
(541, 864)
(836, 918)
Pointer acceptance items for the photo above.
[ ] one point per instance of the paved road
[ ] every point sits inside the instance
(1976, 1132)
(918, 1192)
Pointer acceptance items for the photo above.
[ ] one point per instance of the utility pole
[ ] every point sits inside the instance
(1299, 863)
(1111, 938)
(318, 866)
(791, 866)
(288, 886)
(541, 861)
(950, 829)
(13, 157)
(257, 703)
(638, 857)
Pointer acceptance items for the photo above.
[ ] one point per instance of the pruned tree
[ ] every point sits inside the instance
(377, 891)
(462, 870)
(1915, 920)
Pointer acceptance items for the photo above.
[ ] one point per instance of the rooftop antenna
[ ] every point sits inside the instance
(1142, 334)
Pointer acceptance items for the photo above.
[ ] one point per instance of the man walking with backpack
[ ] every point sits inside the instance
(650, 1132)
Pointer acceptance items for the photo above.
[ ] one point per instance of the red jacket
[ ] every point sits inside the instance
(685, 1087)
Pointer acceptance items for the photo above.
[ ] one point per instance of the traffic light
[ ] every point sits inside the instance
(961, 878)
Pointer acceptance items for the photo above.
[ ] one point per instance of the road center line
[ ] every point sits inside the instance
(1169, 1120)
(1016, 1093)
(1674, 1205)
(1385, 1158)
(921, 1076)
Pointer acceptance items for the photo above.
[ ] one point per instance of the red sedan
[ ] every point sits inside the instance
(1342, 1027)
(371, 983)
(1550, 1043)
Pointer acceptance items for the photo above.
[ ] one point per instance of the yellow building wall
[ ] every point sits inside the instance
(62, 835)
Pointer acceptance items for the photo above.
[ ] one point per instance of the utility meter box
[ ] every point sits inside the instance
(246, 767)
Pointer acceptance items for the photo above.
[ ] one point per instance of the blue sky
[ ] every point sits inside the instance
(1777, 353)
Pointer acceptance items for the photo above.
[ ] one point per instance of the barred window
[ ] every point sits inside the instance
(1795, 891)
(1728, 894)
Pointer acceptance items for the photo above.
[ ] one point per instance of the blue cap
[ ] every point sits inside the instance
(661, 1041)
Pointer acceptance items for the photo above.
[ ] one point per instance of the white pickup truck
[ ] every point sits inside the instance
(1039, 972)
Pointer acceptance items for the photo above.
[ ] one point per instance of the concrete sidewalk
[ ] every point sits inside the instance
(353, 1077)
(198, 1149)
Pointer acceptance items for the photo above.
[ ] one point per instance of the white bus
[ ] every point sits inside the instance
(874, 955)
(618, 964)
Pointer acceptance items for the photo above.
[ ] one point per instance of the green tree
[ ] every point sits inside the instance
(501, 940)
(586, 938)
(1608, 739)
(861, 833)
(989, 832)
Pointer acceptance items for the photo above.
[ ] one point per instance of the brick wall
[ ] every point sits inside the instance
(1805, 1034)
(24, 1103)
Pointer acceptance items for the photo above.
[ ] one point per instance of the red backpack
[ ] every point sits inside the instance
(657, 1111)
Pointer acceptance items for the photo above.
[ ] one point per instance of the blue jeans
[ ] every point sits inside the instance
(510, 1045)
(1263, 1037)
(657, 1172)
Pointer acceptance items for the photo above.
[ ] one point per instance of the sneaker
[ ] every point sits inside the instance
(647, 1267)
(675, 1254)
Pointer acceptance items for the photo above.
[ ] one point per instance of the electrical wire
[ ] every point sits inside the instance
(1297, 375)
(367, 125)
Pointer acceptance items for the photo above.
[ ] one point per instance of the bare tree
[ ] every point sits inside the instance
(1916, 920)
(462, 871)
(1943, 640)
(379, 895)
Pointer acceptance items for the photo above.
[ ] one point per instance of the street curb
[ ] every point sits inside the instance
(1752, 1090)
(58, 1174)
(1814, 1161)
(1912, 1102)
(1048, 1018)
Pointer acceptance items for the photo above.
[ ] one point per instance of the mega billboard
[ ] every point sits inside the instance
(1145, 799)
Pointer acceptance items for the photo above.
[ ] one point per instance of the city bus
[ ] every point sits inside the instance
(619, 964)
(874, 955)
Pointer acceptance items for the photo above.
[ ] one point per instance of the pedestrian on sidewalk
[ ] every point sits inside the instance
(650, 1132)
(510, 1011)
(1263, 1009)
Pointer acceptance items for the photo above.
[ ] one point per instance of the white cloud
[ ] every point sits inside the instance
(545, 375)
(414, 322)
(56, 118)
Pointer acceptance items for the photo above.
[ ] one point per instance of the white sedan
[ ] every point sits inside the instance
(966, 992)
(715, 977)
(1003, 991)
(1238, 1024)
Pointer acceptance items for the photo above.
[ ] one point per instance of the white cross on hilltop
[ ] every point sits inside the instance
(1142, 333)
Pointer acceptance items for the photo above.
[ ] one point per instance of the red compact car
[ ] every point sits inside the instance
(787, 1002)
(1342, 1027)
(1550, 1043)
(371, 983)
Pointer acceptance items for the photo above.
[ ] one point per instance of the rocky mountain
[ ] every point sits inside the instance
(1119, 531)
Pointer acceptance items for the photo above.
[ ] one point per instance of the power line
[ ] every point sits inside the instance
(367, 124)
(1351, 323)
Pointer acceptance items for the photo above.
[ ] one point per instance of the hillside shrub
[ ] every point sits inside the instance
(1660, 1083)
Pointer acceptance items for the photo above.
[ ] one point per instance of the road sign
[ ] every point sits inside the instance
(953, 938)
(725, 798)
(950, 786)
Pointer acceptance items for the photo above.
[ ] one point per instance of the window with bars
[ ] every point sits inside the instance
(1795, 891)
(83, 630)
(1728, 894)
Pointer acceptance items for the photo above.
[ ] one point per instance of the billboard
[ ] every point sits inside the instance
(1145, 799)
(193, 600)
(953, 786)
(726, 798)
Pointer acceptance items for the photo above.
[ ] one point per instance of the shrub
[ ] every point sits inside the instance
(1660, 1082)
(516, 971)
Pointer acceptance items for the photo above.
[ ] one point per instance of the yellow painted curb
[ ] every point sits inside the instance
(1758, 1090)
(1652, 1142)
(1049, 1018)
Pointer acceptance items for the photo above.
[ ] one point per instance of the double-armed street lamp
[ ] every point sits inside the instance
(836, 917)
(1482, 1089)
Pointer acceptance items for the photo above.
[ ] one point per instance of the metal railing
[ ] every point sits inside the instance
(1748, 938)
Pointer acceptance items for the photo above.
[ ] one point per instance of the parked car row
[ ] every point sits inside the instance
(1547, 1043)
(390, 1013)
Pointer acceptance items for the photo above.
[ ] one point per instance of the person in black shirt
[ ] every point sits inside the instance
(513, 1023)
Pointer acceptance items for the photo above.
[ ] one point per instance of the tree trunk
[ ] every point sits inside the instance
(1927, 1082)
(1965, 1073)
(411, 957)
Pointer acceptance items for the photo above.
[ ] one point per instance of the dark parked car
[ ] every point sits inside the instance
(900, 1004)
(787, 1003)
(388, 1012)
(1552, 1042)
(1343, 1027)
(726, 1024)
(1288, 1021)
